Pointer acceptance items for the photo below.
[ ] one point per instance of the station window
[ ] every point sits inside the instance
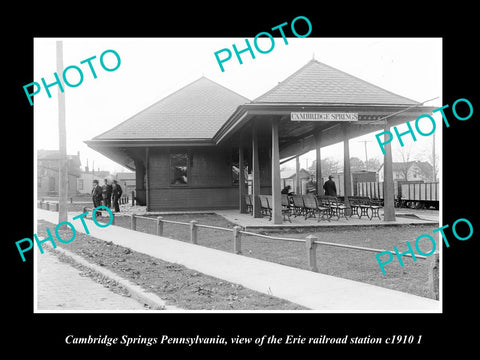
(179, 168)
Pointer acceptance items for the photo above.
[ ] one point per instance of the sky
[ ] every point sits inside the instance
(152, 68)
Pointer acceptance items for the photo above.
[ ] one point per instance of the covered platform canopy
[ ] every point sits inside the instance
(316, 106)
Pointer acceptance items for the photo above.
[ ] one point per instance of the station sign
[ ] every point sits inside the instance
(323, 116)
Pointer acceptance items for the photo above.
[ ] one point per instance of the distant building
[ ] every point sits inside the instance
(126, 181)
(84, 181)
(289, 177)
(421, 171)
(48, 172)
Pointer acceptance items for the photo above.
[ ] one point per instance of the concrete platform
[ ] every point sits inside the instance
(247, 221)
(315, 291)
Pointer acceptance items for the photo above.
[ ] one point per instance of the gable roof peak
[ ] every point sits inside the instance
(319, 83)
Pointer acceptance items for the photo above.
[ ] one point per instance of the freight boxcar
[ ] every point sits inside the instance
(415, 195)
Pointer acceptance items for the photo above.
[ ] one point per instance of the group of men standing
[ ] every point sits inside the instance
(311, 187)
(105, 194)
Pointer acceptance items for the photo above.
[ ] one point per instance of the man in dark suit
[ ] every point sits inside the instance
(116, 193)
(107, 194)
(96, 196)
(329, 186)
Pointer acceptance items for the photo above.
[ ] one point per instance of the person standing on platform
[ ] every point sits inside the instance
(96, 196)
(116, 194)
(329, 187)
(311, 186)
(107, 194)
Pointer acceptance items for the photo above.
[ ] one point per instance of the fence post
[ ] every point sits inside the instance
(133, 198)
(237, 240)
(433, 275)
(159, 226)
(193, 231)
(133, 222)
(311, 252)
(113, 218)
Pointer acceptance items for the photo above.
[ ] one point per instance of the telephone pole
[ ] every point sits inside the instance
(365, 147)
(434, 162)
(62, 144)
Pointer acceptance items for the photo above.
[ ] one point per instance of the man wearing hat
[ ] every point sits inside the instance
(96, 195)
(116, 194)
(329, 187)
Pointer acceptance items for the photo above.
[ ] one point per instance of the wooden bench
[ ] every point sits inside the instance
(249, 204)
(357, 205)
(365, 205)
(375, 205)
(286, 207)
(312, 206)
(298, 205)
(334, 205)
(265, 206)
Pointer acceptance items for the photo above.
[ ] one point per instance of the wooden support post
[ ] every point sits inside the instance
(433, 275)
(237, 240)
(311, 252)
(159, 226)
(257, 208)
(347, 178)
(133, 222)
(298, 186)
(147, 179)
(276, 185)
(388, 185)
(318, 165)
(193, 231)
(241, 180)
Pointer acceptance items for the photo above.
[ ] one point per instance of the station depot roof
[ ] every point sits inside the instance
(195, 111)
(206, 113)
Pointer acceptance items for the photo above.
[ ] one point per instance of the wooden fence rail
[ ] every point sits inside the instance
(311, 244)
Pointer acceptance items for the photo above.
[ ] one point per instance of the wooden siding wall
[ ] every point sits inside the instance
(209, 185)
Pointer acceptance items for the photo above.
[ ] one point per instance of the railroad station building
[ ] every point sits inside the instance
(195, 148)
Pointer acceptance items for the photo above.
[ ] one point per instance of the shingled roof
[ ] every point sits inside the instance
(195, 111)
(319, 83)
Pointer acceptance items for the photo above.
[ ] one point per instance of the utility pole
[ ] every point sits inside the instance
(62, 144)
(365, 147)
(434, 162)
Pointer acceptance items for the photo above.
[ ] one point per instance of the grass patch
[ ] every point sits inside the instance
(345, 263)
(176, 284)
